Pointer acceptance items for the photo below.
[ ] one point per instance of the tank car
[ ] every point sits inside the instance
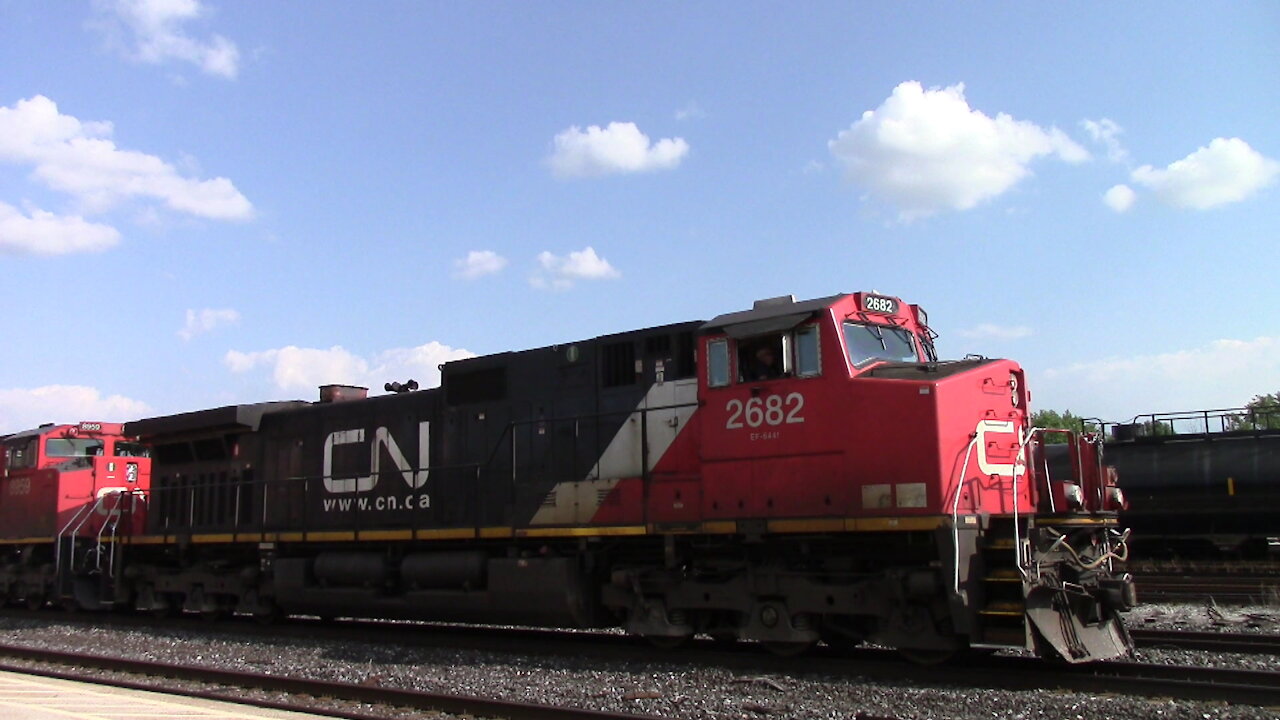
(1201, 484)
(68, 493)
(790, 473)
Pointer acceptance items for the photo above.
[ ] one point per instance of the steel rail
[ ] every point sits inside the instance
(1226, 587)
(350, 692)
(1250, 643)
(1012, 673)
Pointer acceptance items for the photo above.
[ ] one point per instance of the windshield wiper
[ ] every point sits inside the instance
(878, 334)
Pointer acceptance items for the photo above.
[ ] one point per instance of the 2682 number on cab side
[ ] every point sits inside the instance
(770, 410)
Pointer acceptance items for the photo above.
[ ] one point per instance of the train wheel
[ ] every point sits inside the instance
(725, 638)
(268, 616)
(668, 642)
(171, 608)
(922, 656)
(214, 615)
(839, 641)
(35, 601)
(789, 649)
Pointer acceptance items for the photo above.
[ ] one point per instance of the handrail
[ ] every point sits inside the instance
(1202, 422)
(82, 515)
(113, 521)
(1017, 532)
(84, 510)
(955, 514)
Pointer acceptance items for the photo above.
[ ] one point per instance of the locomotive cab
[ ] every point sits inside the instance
(835, 415)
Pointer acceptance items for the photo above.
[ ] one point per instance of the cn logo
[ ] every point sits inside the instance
(109, 500)
(381, 439)
(985, 464)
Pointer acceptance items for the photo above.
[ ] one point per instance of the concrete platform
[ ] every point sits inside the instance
(32, 697)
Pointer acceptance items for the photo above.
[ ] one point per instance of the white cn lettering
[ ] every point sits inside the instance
(985, 466)
(382, 438)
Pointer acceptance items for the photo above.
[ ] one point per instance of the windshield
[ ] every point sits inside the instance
(882, 342)
(128, 449)
(72, 447)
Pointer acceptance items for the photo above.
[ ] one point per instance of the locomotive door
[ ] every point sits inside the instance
(282, 505)
(487, 458)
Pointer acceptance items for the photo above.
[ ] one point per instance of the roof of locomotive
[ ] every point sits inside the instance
(35, 431)
(228, 416)
(488, 360)
(925, 370)
(45, 429)
(767, 313)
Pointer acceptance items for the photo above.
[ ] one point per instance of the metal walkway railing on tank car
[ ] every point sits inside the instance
(1191, 423)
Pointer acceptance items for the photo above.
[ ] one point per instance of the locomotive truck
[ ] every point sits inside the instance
(792, 473)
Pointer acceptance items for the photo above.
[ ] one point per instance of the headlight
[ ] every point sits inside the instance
(1115, 497)
(1074, 495)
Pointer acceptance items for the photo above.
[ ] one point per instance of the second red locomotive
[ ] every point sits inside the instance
(67, 494)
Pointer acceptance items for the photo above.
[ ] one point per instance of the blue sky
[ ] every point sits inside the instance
(205, 202)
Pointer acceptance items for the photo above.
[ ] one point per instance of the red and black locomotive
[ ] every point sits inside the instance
(796, 472)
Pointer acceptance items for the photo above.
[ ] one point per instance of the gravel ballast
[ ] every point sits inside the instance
(664, 689)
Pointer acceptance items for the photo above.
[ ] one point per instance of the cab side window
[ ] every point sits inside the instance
(795, 353)
(718, 363)
(763, 358)
(21, 455)
(808, 359)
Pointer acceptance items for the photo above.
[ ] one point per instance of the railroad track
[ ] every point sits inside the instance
(1249, 687)
(544, 641)
(1248, 643)
(1227, 587)
(1011, 673)
(1241, 687)
(294, 686)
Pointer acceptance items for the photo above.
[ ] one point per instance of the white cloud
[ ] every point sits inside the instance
(78, 158)
(926, 151)
(159, 35)
(989, 331)
(559, 273)
(26, 408)
(1120, 198)
(1226, 171)
(618, 148)
(690, 112)
(202, 321)
(43, 233)
(296, 369)
(1220, 374)
(479, 263)
(1107, 133)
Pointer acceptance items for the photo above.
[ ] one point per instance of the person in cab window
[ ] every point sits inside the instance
(764, 364)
